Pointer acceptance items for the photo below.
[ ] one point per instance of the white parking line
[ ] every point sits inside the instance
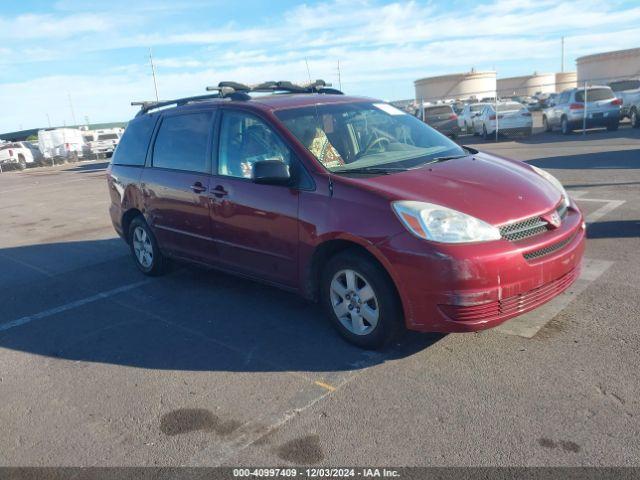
(71, 305)
(529, 324)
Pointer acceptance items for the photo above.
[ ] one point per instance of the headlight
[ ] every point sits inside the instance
(555, 182)
(442, 224)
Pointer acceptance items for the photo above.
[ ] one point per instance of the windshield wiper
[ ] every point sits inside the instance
(444, 159)
(384, 171)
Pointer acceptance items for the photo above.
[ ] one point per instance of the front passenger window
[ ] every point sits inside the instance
(244, 140)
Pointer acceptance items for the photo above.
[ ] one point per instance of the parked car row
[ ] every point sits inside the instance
(59, 145)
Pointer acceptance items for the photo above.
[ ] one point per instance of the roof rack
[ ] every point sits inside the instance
(240, 91)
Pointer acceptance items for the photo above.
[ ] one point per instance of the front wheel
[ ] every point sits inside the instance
(545, 124)
(22, 163)
(361, 301)
(144, 248)
(564, 126)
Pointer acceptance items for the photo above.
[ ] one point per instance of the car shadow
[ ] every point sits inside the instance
(192, 319)
(615, 159)
(614, 229)
(89, 167)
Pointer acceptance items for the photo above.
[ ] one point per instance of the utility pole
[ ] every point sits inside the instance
(562, 54)
(73, 114)
(49, 120)
(153, 73)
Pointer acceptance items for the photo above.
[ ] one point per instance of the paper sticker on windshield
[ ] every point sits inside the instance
(390, 109)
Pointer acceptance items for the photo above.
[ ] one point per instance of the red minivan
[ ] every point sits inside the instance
(348, 201)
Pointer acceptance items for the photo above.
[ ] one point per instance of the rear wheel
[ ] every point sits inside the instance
(564, 126)
(361, 300)
(612, 127)
(144, 248)
(545, 124)
(485, 135)
(635, 118)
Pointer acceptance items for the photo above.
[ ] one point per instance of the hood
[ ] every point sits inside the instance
(493, 189)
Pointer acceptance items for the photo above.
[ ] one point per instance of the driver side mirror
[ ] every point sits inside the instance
(271, 172)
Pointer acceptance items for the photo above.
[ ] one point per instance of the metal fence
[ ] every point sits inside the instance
(524, 110)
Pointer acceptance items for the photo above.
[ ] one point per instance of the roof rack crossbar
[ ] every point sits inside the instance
(240, 91)
(145, 106)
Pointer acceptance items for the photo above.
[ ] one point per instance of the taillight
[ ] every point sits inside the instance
(66, 146)
(616, 101)
(576, 106)
(492, 117)
(11, 153)
(453, 117)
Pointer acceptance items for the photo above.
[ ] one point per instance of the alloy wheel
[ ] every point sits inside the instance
(354, 302)
(142, 247)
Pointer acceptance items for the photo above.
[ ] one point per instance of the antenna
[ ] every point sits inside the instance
(308, 71)
(339, 77)
(153, 73)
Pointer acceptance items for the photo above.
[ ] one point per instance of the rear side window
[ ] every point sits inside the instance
(594, 94)
(132, 149)
(182, 141)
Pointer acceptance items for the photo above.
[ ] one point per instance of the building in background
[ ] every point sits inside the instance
(456, 86)
(527, 85)
(608, 66)
(565, 80)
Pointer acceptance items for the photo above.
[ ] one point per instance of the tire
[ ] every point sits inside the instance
(635, 118)
(22, 163)
(144, 248)
(466, 127)
(545, 124)
(345, 280)
(485, 135)
(564, 126)
(612, 127)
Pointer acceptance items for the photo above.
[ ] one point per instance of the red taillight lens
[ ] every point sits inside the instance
(453, 117)
(492, 117)
(11, 153)
(616, 101)
(66, 146)
(576, 106)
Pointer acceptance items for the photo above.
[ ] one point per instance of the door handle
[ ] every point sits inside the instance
(219, 192)
(198, 187)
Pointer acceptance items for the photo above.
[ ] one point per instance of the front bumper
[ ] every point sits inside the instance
(470, 287)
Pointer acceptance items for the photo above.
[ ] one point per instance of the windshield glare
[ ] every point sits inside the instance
(363, 135)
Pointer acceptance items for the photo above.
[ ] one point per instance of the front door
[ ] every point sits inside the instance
(255, 227)
(175, 186)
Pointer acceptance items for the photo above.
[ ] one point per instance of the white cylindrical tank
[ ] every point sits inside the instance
(457, 86)
(527, 84)
(565, 80)
(608, 66)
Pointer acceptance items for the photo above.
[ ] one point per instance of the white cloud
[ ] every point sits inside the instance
(382, 48)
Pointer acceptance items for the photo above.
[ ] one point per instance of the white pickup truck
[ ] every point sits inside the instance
(15, 155)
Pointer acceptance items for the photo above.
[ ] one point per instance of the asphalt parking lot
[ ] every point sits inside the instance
(100, 365)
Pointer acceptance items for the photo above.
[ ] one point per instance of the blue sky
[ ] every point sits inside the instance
(96, 53)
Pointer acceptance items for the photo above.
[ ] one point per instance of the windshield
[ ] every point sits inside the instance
(433, 111)
(509, 107)
(108, 136)
(594, 94)
(363, 135)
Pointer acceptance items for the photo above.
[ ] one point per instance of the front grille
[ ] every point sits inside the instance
(530, 227)
(549, 249)
(524, 229)
(510, 306)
